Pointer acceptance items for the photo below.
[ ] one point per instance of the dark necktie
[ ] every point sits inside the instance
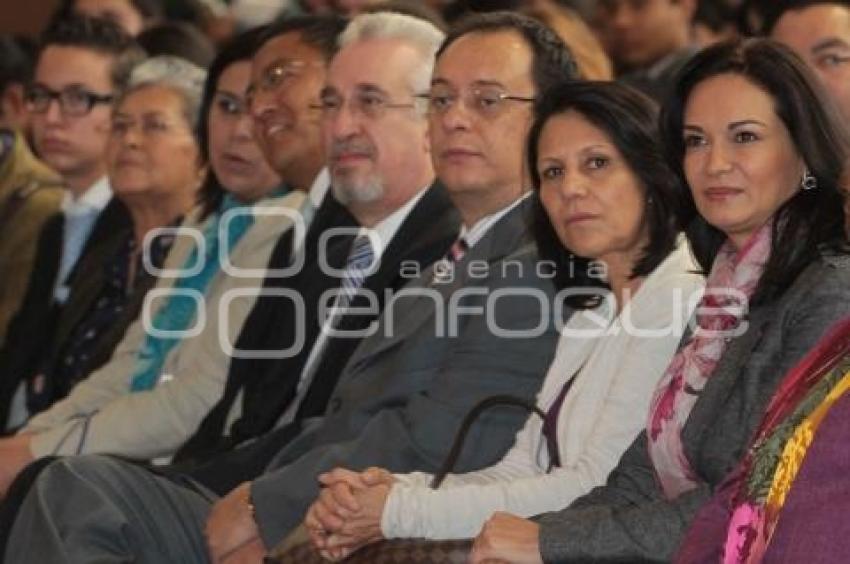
(444, 268)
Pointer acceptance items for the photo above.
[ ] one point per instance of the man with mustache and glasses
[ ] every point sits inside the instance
(403, 393)
(81, 65)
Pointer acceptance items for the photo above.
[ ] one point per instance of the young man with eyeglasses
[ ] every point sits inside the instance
(80, 66)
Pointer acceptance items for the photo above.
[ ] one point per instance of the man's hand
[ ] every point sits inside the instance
(232, 534)
(507, 538)
(15, 455)
(347, 514)
(369, 477)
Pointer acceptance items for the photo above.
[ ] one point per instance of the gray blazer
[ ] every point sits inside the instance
(628, 519)
(401, 398)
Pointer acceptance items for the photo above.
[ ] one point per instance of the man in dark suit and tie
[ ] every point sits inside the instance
(443, 343)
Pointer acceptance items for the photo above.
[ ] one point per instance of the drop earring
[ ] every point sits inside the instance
(809, 182)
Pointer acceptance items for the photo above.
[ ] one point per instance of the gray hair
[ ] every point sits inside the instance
(422, 35)
(179, 75)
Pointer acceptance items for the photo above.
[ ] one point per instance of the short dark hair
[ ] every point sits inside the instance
(715, 14)
(148, 9)
(16, 62)
(241, 48)
(773, 11)
(630, 120)
(320, 32)
(180, 39)
(100, 36)
(553, 62)
(809, 220)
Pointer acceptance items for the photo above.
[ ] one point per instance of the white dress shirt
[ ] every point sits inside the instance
(80, 216)
(381, 235)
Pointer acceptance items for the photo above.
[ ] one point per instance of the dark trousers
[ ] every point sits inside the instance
(221, 473)
(18, 491)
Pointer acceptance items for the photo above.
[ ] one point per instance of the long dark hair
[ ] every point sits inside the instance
(629, 119)
(811, 218)
(240, 48)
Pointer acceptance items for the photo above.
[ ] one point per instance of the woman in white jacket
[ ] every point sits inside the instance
(609, 220)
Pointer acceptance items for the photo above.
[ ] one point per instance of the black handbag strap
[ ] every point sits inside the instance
(474, 413)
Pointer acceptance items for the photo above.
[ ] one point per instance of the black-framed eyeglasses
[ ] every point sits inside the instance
(74, 102)
(371, 105)
(487, 102)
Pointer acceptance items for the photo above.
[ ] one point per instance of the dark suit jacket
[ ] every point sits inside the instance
(658, 80)
(86, 288)
(34, 326)
(435, 353)
(269, 386)
(629, 519)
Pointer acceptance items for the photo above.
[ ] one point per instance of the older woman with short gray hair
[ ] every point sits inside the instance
(155, 169)
(183, 77)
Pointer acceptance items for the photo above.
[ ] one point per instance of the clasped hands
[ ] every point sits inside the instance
(347, 517)
(347, 514)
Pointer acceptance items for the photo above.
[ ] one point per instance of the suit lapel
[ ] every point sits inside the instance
(503, 238)
(725, 376)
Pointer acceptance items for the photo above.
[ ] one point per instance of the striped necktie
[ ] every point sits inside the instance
(357, 267)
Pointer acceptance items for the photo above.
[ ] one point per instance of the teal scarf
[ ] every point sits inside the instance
(180, 310)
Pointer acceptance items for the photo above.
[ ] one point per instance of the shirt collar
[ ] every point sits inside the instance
(93, 199)
(475, 233)
(319, 188)
(382, 233)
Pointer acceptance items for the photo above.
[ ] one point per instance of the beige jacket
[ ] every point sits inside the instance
(30, 193)
(102, 416)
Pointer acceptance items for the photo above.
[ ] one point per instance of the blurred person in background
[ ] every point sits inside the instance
(714, 20)
(819, 32)
(648, 40)
(30, 193)
(593, 62)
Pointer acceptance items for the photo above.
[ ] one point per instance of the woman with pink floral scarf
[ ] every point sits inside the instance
(761, 151)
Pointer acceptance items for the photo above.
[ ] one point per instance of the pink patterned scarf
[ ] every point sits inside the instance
(732, 281)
